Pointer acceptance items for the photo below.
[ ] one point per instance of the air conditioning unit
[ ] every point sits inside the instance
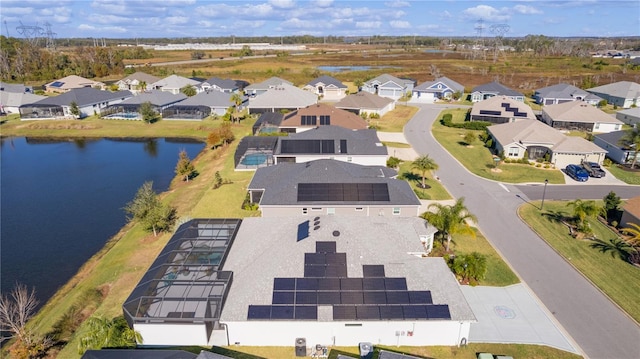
(301, 347)
(366, 350)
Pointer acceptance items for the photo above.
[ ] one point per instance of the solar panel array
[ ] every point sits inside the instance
(490, 112)
(307, 146)
(325, 282)
(341, 192)
(515, 111)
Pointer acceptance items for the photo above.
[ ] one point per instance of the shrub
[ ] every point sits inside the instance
(393, 162)
(467, 125)
(538, 165)
(547, 165)
(607, 162)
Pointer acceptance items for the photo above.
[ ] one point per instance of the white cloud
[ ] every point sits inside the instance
(176, 20)
(86, 27)
(487, 13)
(397, 3)
(283, 4)
(16, 11)
(110, 7)
(400, 24)
(398, 14)
(527, 10)
(368, 24)
(299, 24)
(323, 3)
(446, 15)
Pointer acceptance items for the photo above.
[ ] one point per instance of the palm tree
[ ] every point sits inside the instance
(189, 90)
(450, 220)
(633, 241)
(582, 210)
(142, 86)
(631, 139)
(236, 99)
(424, 164)
(108, 333)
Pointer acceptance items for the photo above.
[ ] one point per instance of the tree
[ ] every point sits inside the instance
(189, 90)
(612, 206)
(147, 209)
(633, 231)
(214, 138)
(450, 220)
(236, 99)
(142, 86)
(185, 167)
(108, 333)
(147, 112)
(631, 139)
(74, 109)
(424, 164)
(583, 210)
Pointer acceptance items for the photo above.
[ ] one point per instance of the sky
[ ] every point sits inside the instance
(214, 18)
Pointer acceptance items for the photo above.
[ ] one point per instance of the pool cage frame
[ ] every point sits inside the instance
(252, 145)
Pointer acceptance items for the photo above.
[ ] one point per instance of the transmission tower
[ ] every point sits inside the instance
(478, 46)
(498, 30)
(50, 36)
(31, 33)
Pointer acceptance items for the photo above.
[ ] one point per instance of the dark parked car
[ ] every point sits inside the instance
(594, 169)
(577, 173)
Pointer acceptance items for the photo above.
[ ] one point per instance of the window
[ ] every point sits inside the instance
(316, 209)
(325, 120)
(513, 152)
(308, 120)
(396, 211)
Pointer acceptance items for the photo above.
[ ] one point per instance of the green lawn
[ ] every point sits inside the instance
(615, 277)
(396, 144)
(395, 120)
(478, 159)
(625, 175)
(436, 190)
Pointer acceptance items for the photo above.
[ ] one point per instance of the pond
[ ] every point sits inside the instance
(62, 200)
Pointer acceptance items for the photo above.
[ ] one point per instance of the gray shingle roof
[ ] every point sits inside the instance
(140, 76)
(327, 80)
(363, 100)
(137, 354)
(284, 96)
(211, 99)
(612, 137)
(82, 97)
(175, 82)
(495, 104)
(622, 89)
(280, 181)
(268, 83)
(426, 86)
(385, 78)
(497, 88)
(15, 88)
(155, 97)
(359, 142)
(578, 111)
(225, 84)
(17, 99)
(566, 91)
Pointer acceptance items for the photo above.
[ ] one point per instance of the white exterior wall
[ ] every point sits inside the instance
(323, 209)
(273, 333)
(423, 97)
(606, 127)
(380, 160)
(172, 334)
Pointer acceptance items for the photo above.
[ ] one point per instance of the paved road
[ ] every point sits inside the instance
(597, 325)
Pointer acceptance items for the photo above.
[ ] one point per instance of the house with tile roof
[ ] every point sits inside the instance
(327, 87)
(629, 116)
(631, 212)
(623, 94)
(616, 151)
(254, 90)
(539, 141)
(442, 88)
(501, 109)
(71, 82)
(320, 114)
(365, 104)
(331, 187)
(389, 86)
(282, 97)
(134, 81)
(560, 93)
(130, 108)
(90, 101)
(173, 84)
(578, 115)
(492, 89)
(218, 84)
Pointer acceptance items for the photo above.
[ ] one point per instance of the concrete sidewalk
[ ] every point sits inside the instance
(513, 315)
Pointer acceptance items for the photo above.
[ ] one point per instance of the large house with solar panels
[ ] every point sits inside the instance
(501, 109)
(331, 187)
(71, 82)
(328, 280)
(320, 114)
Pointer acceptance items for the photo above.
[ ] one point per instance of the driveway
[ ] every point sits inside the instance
(599, 327)
(513, 315)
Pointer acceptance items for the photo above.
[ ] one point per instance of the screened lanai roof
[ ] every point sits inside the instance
(186, 282)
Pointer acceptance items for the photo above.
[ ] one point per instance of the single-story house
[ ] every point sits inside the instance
(320, 114)
(441, 88)
(560, 93)
(15, 88)
(332, 142)
(173, 84)
(631, 212)
(492, 89)
(283, 97)
(71, 82)
(135, 81)
(10, 102)
(629, 116)
(616, 151)
(218, 84)
(331, 187)
(90, 101)
(327, 87)
(129, 109)
(365, 103)
(537, 140)
(200, 106)
(501, 109)
(623, 94)
(578, 115)
(332, 280)
(254, 90)
(389, 86)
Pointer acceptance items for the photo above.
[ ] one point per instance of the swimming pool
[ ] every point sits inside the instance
(254, 159)
(123, 115)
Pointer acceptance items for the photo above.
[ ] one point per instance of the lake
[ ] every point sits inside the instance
(61, 201)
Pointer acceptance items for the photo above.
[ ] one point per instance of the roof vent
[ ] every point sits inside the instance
(336, 233)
